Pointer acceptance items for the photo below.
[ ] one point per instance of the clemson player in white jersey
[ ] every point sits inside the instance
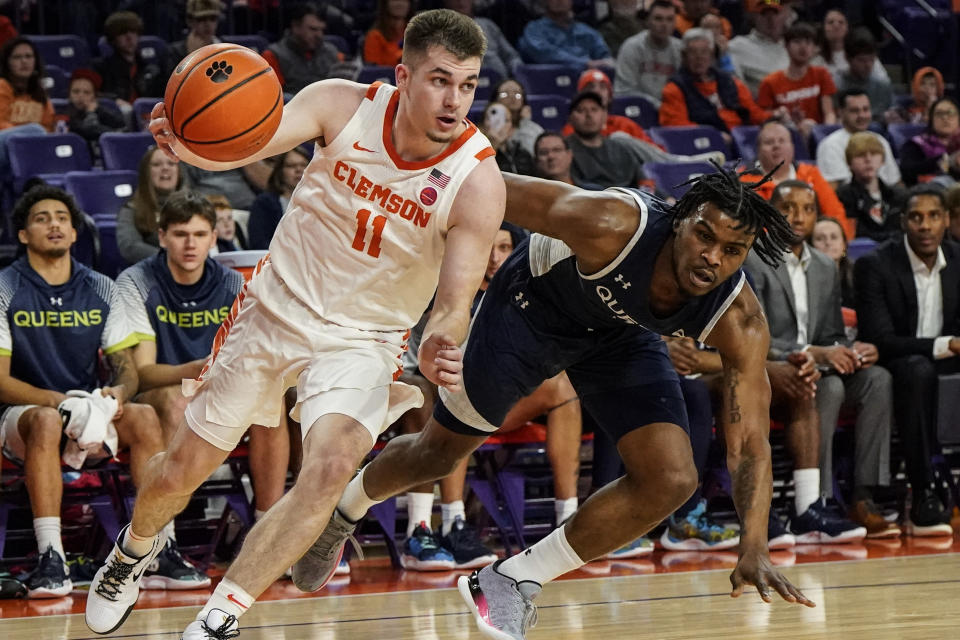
(402, 198)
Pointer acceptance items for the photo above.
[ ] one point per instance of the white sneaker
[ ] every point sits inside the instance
(218, 625)
(116, 587)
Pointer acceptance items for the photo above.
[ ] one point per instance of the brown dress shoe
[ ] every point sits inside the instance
(866, 514)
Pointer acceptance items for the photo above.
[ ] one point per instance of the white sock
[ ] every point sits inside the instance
(136, 545)
(230, 598)
(551, 557)
(169, 531)
(449, 513)
(806, 488)
(355, 502)
(47, 531)
(257, 514)
(419, 509)
(564, 509)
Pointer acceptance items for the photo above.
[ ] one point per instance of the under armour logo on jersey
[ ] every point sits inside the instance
(679, 333)
(623, 283)
(188, 303)
(519, 298)
(57, 301)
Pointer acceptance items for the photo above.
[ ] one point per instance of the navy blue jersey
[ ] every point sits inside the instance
(181, 319)
(618, 295)
(52, 334)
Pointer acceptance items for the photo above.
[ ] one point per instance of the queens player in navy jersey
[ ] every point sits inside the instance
(603, 276)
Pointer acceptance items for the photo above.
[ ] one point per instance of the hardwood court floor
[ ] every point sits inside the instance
(899, 596)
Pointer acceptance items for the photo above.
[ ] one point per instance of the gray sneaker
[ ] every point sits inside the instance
(502, 607)
(319, 563)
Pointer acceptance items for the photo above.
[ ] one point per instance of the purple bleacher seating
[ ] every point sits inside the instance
(900, 133)
(123, 150)
(689, 141)
(46, 156)
(339, 42)
(821, 131)
(101, 192)
(252, 41)
(60, 105)
(56, 81)
(111, 262)
(745, 144)
(68, 52)
(141, 111)
(637, 108)
(669, 176)
(548, 79)
(373, 73)
(86, 249)
(860, 246)
(550, 111)
(153, 49)
(485, 83)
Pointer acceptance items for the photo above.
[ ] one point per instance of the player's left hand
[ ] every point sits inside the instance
(441, 361)
(117, 393)
(755, 568)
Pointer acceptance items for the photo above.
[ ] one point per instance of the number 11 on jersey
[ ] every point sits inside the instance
(378, 223)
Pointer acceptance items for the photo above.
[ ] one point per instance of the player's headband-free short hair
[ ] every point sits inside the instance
(451, 30)
(182, 206)
(21, 210)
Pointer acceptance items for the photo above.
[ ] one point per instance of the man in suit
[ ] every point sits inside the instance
(908, 304)
(801, 299)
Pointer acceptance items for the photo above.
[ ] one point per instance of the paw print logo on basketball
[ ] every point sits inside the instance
(219, 71)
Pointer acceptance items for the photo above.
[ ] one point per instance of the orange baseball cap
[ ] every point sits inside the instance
(759, 6)
(593, 75)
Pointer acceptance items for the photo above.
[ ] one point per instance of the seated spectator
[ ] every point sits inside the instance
(126, 76)
(721, 51)
(805, 91)
(383, 44)
(854, 108)
(50, 372)
(649, 59)
(268, 208)
(829, 239)
(598, 161)
(154, 290)
(243, 184)
(623, 22)
(762, 51)
(25, 108)
(830, 43)
(203, 16)
(927, 87)
(952, 199)
(557, 38)
(701, 94)
(775, 147)
(230, 236)
(596, 81)
(158, 176)
(512, 94)
(85, 116)
(498, 127)
(861, 51)
(874, 206)
(692, 13)
(500, 56)
(302, 56)
(934, 155)
(553, 157)
(801, 300)
(907, 306)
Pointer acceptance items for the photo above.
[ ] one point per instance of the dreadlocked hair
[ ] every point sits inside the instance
(740, 201)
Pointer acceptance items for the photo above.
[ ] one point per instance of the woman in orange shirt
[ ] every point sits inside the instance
(25, 108)
(384, 42)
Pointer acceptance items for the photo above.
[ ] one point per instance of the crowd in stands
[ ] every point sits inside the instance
(858, 155)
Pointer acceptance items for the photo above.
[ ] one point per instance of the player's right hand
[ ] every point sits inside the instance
(441, 361)
(162, 133)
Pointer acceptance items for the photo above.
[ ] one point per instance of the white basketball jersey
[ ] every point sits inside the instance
(363, 237)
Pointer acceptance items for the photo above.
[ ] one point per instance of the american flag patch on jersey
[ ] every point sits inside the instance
(438, 178)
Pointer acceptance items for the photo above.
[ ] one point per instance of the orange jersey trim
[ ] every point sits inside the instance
(372, 90)
(425, 164)
(485, 153)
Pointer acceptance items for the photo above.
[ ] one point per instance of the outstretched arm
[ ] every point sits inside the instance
(742, 337)
(594, 224)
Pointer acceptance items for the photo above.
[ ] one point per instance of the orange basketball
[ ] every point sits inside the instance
(224, 102)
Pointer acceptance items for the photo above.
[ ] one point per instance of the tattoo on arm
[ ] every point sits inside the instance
(733, 408)
(124, 371)
(744, 484)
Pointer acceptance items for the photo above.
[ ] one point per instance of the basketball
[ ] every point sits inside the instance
(224, 102)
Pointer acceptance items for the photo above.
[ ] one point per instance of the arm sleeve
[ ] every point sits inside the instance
(130, 243)
(132, 300)
(117, 333)
(673, 110)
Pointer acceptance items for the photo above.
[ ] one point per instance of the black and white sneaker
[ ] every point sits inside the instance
(50, 579)
(10, 587)
(171, 571)
(465, 546)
